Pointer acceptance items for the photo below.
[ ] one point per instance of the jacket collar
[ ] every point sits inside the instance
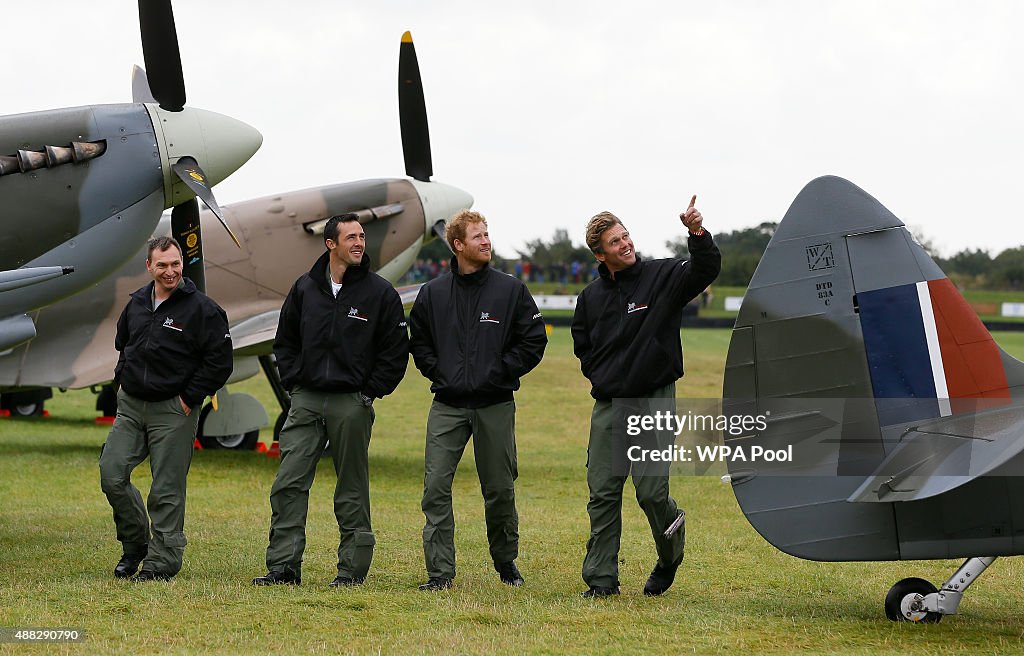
(475, 278)
(624, 274)
(145, 294)
(352, 274)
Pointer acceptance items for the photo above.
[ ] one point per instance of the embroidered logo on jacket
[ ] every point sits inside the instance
(353, 313)
(485, 317)
(170, 323)
(633, 307)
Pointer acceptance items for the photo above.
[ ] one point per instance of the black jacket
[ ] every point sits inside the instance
(625, 330)
(357, 342)
(475, 335)
(181, 349)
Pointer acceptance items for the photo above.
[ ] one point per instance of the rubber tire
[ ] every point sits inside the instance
(906, 587)
(27, 409)
(238, 442)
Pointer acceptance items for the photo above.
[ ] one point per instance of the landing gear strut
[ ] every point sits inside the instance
(917, 600)
(269, 365)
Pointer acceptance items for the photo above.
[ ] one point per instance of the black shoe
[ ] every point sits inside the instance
(436, 583)
(346, 581)
(661, 579)
(278, 578)
(128, 565)
(509, 573)
(149, 575)
(599, 591)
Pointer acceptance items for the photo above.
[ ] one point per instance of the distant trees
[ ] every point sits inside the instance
(559, 251)
(741, 251)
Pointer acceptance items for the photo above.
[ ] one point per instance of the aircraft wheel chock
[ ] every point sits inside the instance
(238, 441)
(905, 602)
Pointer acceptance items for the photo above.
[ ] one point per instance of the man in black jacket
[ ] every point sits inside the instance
(175, 350)
(626, 335)
(342, 341)
(475, 331)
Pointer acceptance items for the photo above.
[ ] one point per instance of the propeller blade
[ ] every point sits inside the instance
(438, 230)
(186, 229)
(140, 86)
(160, 50)
(412, 112)
(187, 168)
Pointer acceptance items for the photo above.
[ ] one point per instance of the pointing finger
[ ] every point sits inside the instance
(692, 202)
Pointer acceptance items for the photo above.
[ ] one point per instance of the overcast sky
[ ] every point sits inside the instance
(548, 112)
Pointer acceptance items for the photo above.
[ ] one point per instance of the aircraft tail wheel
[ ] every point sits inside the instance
(905, 602)
(238, 442)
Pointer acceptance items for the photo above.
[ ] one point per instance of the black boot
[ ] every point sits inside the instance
(509, 573)
(436, 583)
(286, 577)
(599, 591)
(661, 579)
(129, 564)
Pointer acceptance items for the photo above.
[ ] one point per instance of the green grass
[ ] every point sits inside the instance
(735, 592)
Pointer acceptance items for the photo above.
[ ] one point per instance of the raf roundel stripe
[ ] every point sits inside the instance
(925, 345)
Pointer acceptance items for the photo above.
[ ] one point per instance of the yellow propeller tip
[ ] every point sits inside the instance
(407, 37)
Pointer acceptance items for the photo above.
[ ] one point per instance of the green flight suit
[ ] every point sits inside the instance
(607, 470)
(162, 431)
(494, 448)
(314, 419)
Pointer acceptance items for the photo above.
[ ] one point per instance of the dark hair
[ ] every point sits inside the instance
(161, 244)
(331, 227)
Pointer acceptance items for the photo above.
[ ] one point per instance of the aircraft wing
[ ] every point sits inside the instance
(941, 455)
(255, 335)
(408, 293)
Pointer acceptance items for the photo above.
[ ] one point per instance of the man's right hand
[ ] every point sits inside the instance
(692, 218)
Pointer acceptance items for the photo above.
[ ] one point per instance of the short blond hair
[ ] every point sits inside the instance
(456, 226)
(597, 226)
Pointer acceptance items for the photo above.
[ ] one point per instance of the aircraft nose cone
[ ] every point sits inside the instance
(219, 143)
(228, 144)
(440, 201)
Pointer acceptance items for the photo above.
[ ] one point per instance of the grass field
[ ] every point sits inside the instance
(735, 592)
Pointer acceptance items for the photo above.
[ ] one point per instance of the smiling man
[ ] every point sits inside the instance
(342, 342)
(175, 350)
(475, 331)
(625, 332)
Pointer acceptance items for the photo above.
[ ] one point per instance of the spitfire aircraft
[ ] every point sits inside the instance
(83, 187)
(903, 416)
(280, 236)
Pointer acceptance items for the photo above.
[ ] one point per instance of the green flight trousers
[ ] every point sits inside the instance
(314, 419)
(494, 448)
(162, 431)
(606, 476)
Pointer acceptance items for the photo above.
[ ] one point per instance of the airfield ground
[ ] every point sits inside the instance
(735, 592)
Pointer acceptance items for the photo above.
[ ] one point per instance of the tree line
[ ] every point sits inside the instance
(741, 252)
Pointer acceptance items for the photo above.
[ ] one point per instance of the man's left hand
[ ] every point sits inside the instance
(692, 218)
(184, 408)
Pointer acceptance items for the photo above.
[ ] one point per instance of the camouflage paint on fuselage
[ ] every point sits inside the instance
(75, 342)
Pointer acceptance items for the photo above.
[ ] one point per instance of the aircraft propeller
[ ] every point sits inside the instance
(412, 112)
(165, 85)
